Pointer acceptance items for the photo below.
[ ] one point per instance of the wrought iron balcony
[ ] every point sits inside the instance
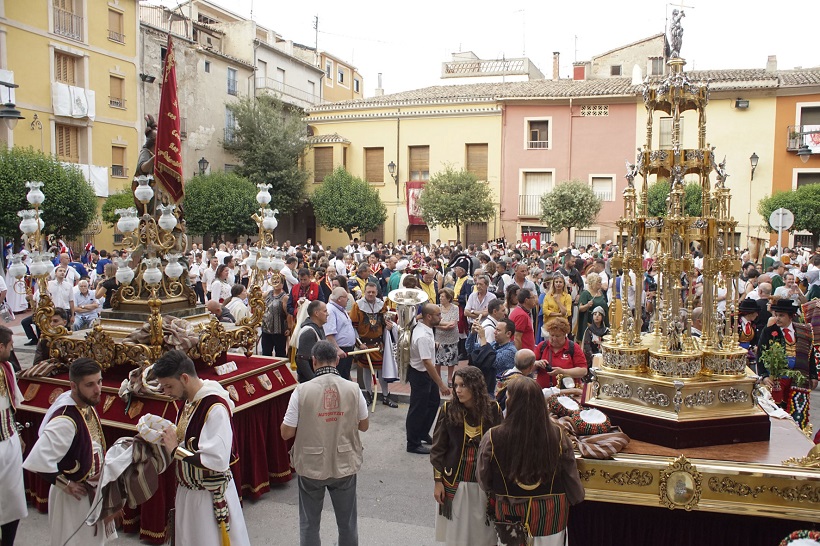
(68, 24)
(288, 93)
(116, 102)
(537, 144)
(117, 170)
(799, 135)
(529, 206)
(115, 36)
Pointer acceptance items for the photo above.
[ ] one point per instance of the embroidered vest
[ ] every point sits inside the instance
(81, 461)
(190, 421)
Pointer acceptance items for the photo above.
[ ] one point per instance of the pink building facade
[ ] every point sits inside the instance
(549, 141)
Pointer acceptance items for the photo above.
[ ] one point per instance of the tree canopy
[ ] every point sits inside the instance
(804, 203)
(119, 200)
(570, 204)
(348, 203)
(220, 203)
(454, 198)
(269, 140)
(70, 201)
(659, 191)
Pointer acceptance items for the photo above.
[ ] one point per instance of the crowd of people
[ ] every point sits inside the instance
(529, 322)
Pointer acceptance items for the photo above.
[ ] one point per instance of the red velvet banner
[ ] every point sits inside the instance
(168, 162)
(533, 239)
(414, 190)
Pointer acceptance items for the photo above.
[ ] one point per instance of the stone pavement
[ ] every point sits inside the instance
(394, 488)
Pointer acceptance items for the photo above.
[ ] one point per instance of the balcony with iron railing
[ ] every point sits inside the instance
(799, 135)
(68, 24)
(537, 144)
(116, 102)
(117, 170)
(116, 36)
(287, 93)
(529, 206)
(604, 195)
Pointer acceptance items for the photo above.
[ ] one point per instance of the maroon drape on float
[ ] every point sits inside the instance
(414, 189)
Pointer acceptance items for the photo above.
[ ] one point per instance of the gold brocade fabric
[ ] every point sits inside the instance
(92, 421)
(184, 419)
(790, 348)
(4, 388)
(471, 431)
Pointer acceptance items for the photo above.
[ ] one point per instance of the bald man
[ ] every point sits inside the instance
(216, 309)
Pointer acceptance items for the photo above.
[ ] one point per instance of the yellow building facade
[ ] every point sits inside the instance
(76, 65)
(420, 138)
(341, 81)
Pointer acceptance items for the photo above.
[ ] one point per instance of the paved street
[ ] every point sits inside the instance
(394, 490)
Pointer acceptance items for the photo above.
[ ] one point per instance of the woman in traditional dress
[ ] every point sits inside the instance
(220, 289)
(461, 424)
(528, 466)
(592, 296)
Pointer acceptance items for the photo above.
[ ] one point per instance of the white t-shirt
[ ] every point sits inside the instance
(292, 414)
(423, 347)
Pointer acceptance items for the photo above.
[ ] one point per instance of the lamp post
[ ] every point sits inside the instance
(9, 113)
(260, 259)
(203, 165)
(391, 168)
(753, 161)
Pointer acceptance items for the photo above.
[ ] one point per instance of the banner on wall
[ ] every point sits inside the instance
(414, 189)
(533, 239)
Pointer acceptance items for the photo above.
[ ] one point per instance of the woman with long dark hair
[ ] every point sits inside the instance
(527, 465)
(461, 424)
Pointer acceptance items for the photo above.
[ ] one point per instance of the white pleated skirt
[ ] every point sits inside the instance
(468, 526)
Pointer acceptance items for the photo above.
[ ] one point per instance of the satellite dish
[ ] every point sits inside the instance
(637, 77)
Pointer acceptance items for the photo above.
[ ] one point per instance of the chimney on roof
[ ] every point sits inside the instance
(379, 90)
(555, 56)
(771, 63)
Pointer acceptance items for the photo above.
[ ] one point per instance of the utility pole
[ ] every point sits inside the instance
(316, 38)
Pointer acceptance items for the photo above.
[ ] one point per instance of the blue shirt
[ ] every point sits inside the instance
(504, 356)
(339, 325)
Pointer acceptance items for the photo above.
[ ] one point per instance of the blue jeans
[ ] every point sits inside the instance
(81, 322)
(311, 499)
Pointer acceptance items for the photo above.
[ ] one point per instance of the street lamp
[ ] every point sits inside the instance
(753, 159)
(391, 168)
(203, 166)
(9, 113)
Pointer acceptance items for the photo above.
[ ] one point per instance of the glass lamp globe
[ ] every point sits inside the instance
(35, 195)
(278, 263)
(263, 263)
(173, 269)
(270, 222)
(263, 197)
(167, 220)
(125, 275)
(128, 221)
(250, 261)
(47, 256)
(144, 192)
(38, 266)
(17, 268)
(30, 221)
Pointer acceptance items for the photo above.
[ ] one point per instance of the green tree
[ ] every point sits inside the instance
(348, 203)
(454, 198)
(570, 204)
(659, 191)
(70, 204)
(119, 200)
(269, 139)
(804, 203)
(220, 203)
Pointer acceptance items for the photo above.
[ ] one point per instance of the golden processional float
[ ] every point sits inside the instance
(699, 440)
(155, 302)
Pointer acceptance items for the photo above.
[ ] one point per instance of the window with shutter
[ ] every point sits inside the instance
(534, 185)
(322, 163)
(477, 160)
(115, 32)
(374, 165)
(419, 162)
(64, 68)
(602, 187)
(665, 134)
(67, 143)
(115, 97)
(117, 161)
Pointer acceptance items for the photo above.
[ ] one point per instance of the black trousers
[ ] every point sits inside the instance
(274, 345)
(424, 402)
(345, 363)
(28, 327)
(200, 292)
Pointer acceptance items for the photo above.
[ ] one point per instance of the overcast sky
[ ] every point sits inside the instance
(408, 41)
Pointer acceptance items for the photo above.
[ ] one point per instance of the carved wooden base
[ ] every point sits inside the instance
(685, 434)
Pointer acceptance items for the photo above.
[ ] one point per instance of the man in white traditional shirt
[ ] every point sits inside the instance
(13, 507)
(61, 290)
(69, 454)
(207, 506)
